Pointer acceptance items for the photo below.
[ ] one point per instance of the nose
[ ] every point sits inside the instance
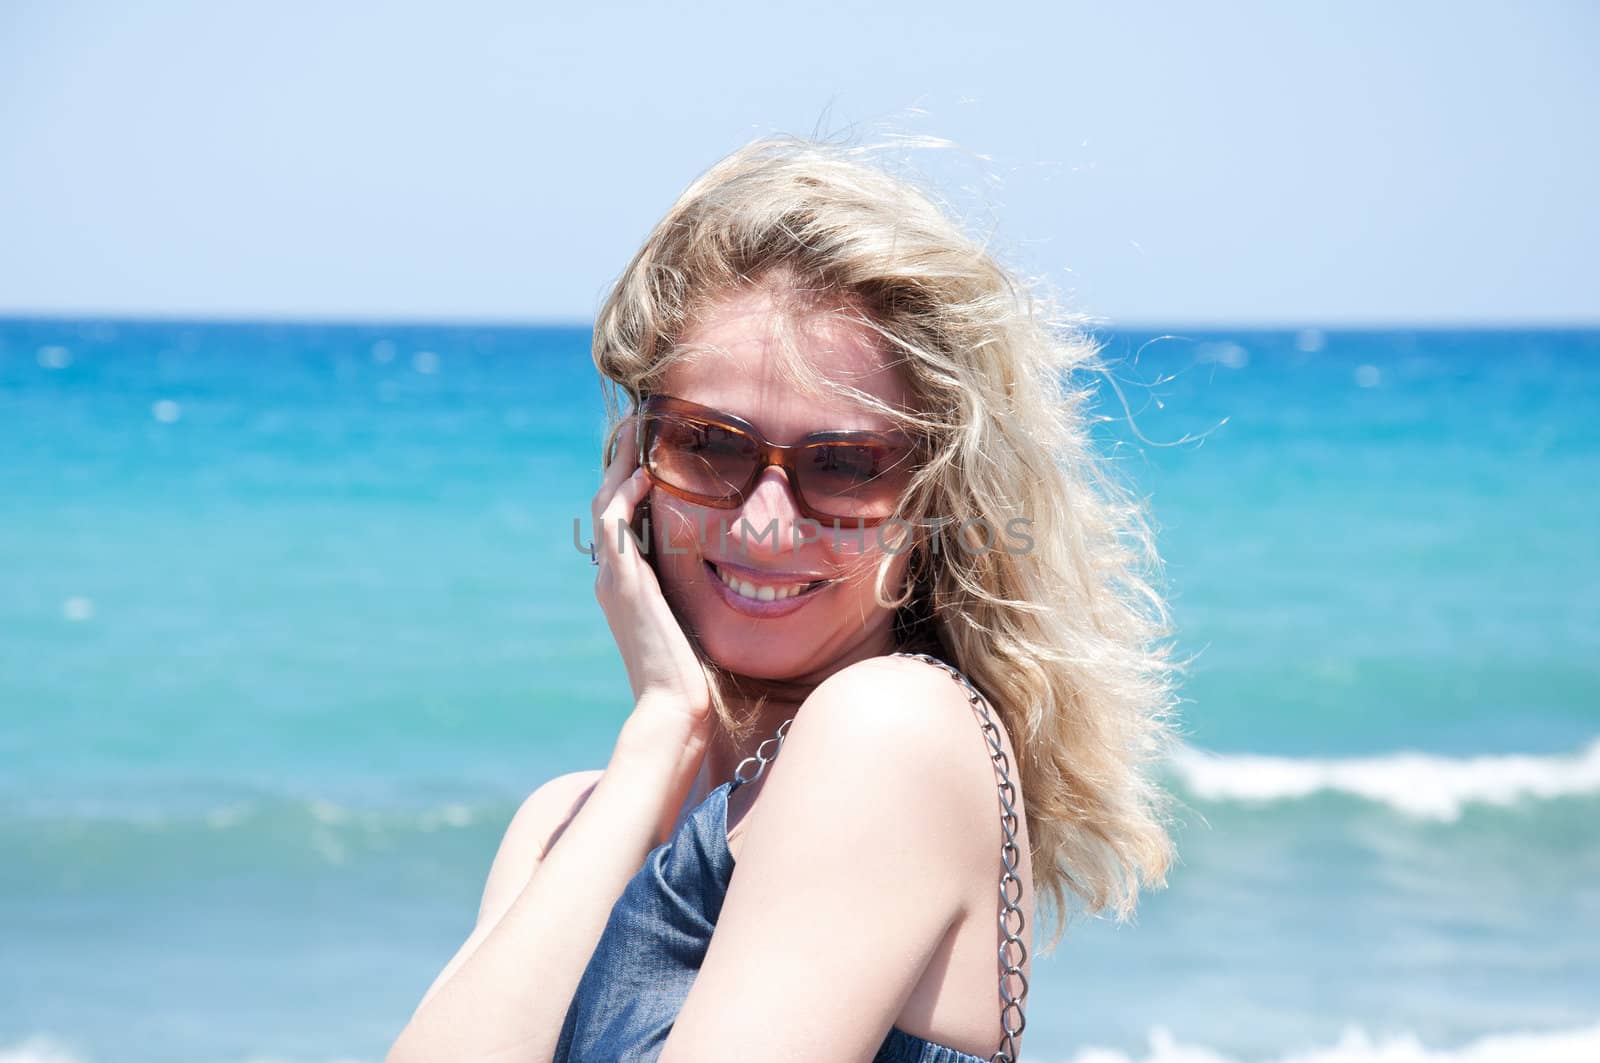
(766, 522)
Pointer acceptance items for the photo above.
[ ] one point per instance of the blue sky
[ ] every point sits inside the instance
(1282, 163)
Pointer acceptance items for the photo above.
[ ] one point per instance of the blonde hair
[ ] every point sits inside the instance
(1064, 638)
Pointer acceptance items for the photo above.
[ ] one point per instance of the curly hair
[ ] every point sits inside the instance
(1067, 637)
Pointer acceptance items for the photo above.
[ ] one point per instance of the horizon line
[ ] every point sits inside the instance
(1088, 323)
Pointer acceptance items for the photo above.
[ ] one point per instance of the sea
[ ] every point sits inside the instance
(291, 620)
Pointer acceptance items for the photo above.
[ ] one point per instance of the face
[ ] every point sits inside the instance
(755, 545)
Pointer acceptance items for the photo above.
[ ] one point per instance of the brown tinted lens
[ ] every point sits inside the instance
(863, 480)
(697, 456)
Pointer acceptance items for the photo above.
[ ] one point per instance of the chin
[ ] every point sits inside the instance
(760, 649)
(759, 663)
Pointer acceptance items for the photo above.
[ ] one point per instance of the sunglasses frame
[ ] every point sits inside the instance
(783, 455)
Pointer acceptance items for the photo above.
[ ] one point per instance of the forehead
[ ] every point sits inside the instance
(733, 358)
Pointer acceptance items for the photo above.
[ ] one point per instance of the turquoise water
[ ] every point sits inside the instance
(290, 621)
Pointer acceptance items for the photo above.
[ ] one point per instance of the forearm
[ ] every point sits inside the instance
(507, 1000)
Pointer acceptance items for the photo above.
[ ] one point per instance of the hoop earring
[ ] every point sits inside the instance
(913, 617)
(913, 578)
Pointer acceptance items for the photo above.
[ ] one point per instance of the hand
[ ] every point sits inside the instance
(670, 690)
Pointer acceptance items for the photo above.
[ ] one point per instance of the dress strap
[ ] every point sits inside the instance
(1010, 855)
(760, 757)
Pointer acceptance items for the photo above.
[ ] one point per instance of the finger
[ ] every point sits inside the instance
(625, 499)
(617, 516)
(625, 451)
(623, 460)
(628, 441)
(635, 487)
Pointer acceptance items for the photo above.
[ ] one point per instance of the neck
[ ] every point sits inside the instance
(783, 700)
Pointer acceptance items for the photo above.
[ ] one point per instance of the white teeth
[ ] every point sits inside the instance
(759, 594)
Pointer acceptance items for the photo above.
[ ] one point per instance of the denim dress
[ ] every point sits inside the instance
(654, 942)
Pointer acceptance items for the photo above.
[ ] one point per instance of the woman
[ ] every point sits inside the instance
(865, 493)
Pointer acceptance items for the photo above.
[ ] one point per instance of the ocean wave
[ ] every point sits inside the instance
(245, 816)
(39, 1049)
(1355, 1045)
(290, 834)
(43, 1048)
(1423, 785)
(1428, 787)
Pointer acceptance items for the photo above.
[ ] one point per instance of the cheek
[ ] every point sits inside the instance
(859, 570)
(677, 522)
(679, 533)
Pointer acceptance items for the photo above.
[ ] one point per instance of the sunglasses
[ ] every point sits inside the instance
(712, 458)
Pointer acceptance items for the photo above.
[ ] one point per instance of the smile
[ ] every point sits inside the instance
(767, 592)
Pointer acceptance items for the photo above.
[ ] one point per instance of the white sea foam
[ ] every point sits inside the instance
(43, 1048)
(1418, 784)
(1357, 1046)
(40, 1048)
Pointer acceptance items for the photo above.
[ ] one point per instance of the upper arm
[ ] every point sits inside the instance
(854, 867)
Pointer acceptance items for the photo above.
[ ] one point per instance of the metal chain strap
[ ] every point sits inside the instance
(778, 736)
(1009, 856)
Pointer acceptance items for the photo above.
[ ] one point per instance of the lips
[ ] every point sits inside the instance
(762, 590)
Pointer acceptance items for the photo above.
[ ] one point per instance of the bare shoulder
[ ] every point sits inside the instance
(545, 813)
(535, 828)
(902, 699)
(902, 731)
